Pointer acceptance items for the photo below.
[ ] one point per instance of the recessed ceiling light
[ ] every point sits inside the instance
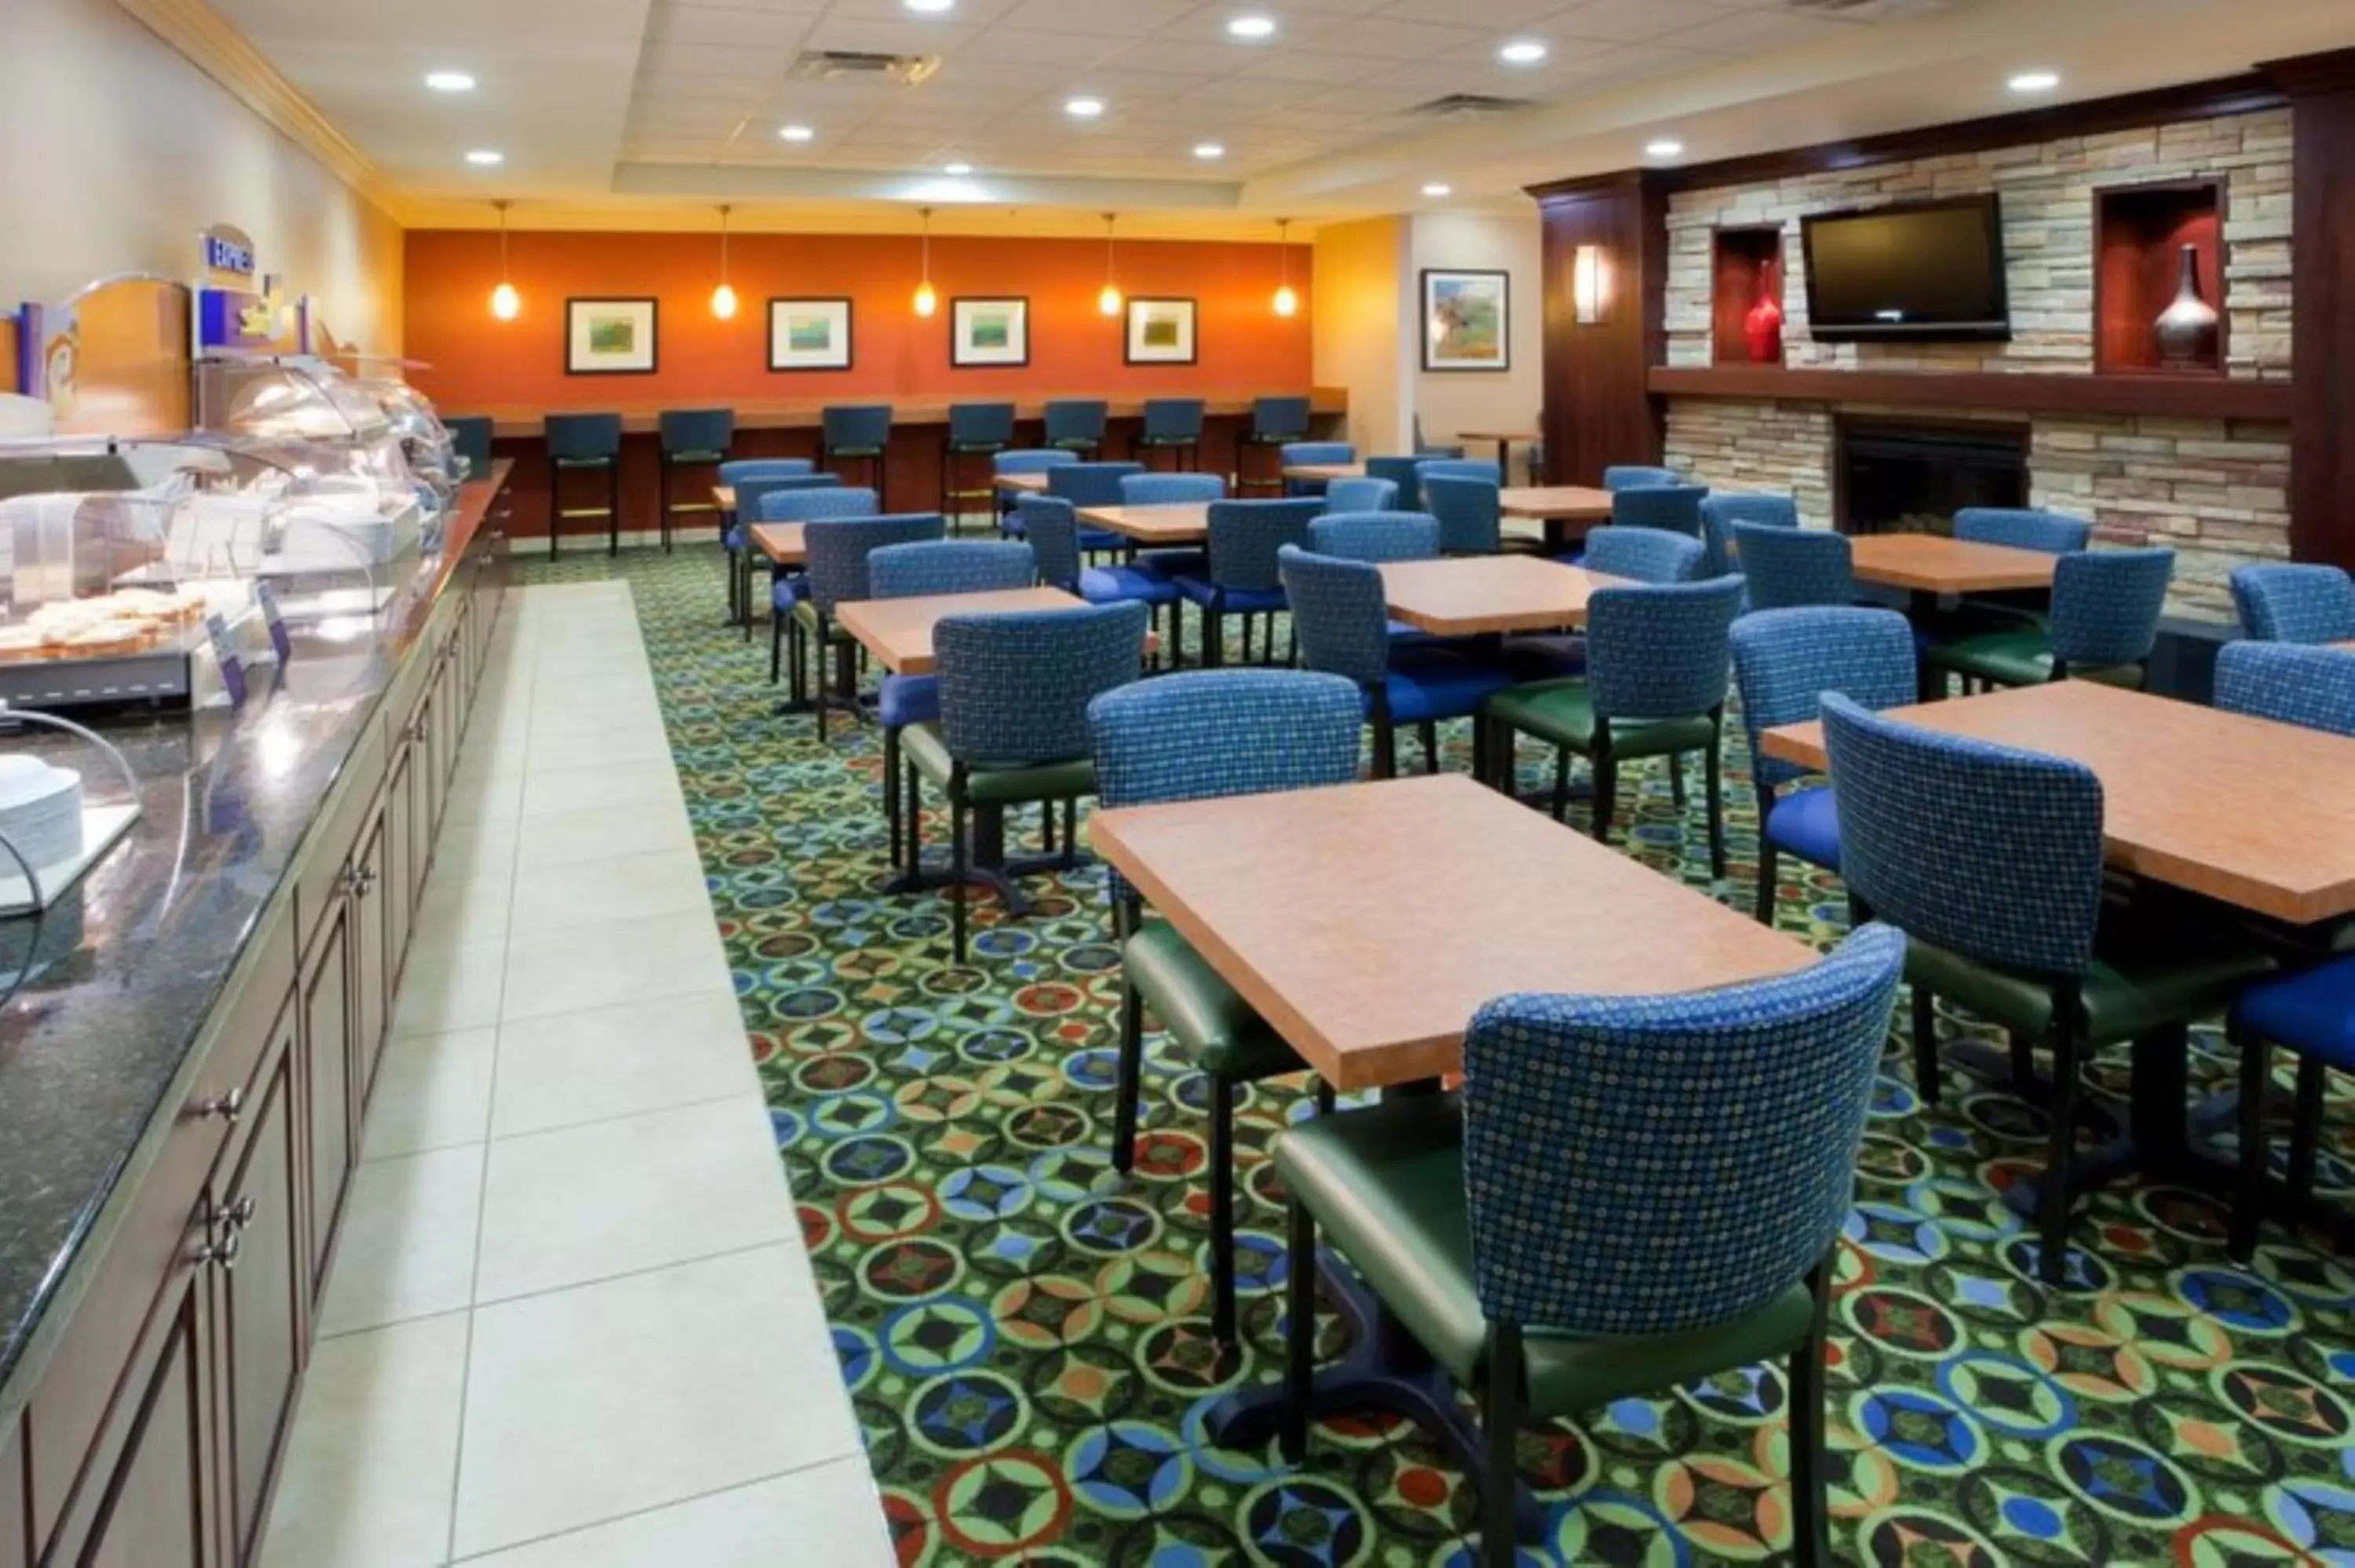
(957, 168)
(1437, 188)
(449, 82)
(1666, 147)
(1084, 108)
(931, 7)
(485, 158)
(1522, 52)
(1209, 150)
(1252, 27)
(2035, 81)
(796, 133)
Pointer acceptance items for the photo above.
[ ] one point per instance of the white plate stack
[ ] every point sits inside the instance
(41, 813)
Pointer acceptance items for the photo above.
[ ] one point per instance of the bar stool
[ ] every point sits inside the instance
(1173, 425)
(975, 429)
(470, 438)
(692, 438)
(1276, 422)
(585, 442)
(857, 431)
(1077, 425)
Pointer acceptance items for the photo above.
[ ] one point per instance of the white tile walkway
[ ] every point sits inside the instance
(571, 1321)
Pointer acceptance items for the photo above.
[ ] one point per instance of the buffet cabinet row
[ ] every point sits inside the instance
(153, 1435)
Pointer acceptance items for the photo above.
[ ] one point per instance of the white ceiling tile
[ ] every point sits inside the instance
(1116, 18)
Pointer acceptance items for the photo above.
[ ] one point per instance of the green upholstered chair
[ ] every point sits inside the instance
(974, 431)
(584, 443)
(1077, 425)
(1277, 423)
(690, 437)
(856, 432)
(2104, 623)
(1631, 1194)
(1204, 734)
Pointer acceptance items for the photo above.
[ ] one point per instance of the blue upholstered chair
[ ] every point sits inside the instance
(2022, 528)
(975, 429)
(1786, 568)
(1241, 576)
(1643, 555)
(690, 437)
(1633, 1194)
(1313, 454)
(579, 443)
(1471, 522)
(1093, 485)
(1206, 735)
(2106, 610)
(1022, 459)
(1054, 530)
(1076, 425)
(2280, 603)
(1488, 469)
(1277, 424)
(838, 546)
(1637, 476)
(1989, 859)
(1720, 514)
(470, 438)
(1361, 494)
(1656, 659)
(1402, 472)
(856, 432)
(1376, 537)
(1783, 662)
(1173, 425)
(1673, 507)
(752, 478)
(2289, 683)
(1013, 730)
(1339, 613)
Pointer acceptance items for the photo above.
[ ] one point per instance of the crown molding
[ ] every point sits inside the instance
(208, 41)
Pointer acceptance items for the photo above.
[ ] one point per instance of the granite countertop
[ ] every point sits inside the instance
(122, 973)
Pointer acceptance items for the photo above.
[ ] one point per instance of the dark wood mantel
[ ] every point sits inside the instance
(2170, 396)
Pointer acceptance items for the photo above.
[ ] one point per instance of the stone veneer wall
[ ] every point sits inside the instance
(2215, 490)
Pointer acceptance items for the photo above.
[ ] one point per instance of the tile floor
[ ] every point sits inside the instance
(571, 1321)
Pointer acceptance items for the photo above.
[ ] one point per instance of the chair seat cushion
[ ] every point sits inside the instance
(2023, 658)
(2143, 978)
(805, 611)
(1219, 1032)
(854, 451)
(1435, 685)
(682, 458)
(909, 699)
(1386, 1185)
(784, 593)
(1176, 563)
(976, 449)
(2312, 1012)
(1806, 824)
(1119, 585)
(1230, 601)
(584, 462)
(1563, 713)
(996, 784)
(1169, 440)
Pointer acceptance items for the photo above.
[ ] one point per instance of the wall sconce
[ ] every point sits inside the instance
(1590, 286)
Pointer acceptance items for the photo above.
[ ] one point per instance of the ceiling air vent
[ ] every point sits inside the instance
(1866, 10)
(860, 65)
(1465, 105)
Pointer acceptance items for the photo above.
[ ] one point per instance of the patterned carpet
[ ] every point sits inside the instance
(1025, 1333)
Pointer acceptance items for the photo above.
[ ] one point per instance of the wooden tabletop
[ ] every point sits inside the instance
(1931, 563)
(1570, 503)
(781, 541)
(1469, 596)
(1369, 922)
(2258, 815)
(1022, 484)
(1324, 472)
(899, 631)
(725, 496)
(1498, 436)
(1176, 522)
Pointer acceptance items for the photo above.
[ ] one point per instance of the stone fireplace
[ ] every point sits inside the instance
(1905, 476)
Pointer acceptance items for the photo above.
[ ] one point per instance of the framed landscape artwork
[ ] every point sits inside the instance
(1467, 321)
(989, 332)
(809, 334)
(1161, 332)
(609, 337)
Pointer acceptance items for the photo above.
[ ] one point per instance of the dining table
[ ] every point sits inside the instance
(1166, 524)
(1483, 596)
(1566, 511)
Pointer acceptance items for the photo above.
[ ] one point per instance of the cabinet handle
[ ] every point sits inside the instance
(240, 1214)
(368, 881)
(348, 883)
(222, 1251)
(228, 1107)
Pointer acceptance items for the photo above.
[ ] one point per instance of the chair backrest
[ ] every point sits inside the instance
(2106, 605)
(1340, 613)
(1205, 735)
(1488, 469)
(1171, 489)
(1279, 419)
(2280, 603)
(470, 438)
(856, 426)
(1053, 525)
(950, 565)
(1785, 660)
(752, 495)
(2289, 682)
(1790, 567)
(744, 471)
(1643, 555)
(1719, 512)
(1649, 1165)
(1030, 460)
(1988, 851)
(1361, 495)
(1401, 471)
(1300, 453)
(1246, 534)
(1090, 483)
(1660, 649)
(1471, 522)
(1635, 476)
(838, 548)
(2022, 528)
(1075, 419)
(798, 501)
(697, 429)
(1173, 419)
(1376, 536)
(981, 424)
(1676, 507)
(583, 438)
(1015, 687)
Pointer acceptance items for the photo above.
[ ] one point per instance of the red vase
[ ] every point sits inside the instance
(1764, 327)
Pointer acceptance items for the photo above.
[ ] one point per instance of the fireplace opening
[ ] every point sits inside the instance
(1904, 477)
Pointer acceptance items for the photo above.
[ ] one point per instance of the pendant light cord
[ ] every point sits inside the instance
(723, 246)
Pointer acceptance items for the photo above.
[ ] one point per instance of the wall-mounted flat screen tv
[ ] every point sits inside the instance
(1923, 270)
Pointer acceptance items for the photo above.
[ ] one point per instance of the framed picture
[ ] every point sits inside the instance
(809, 334)
(1161, 332)
(1467, 321)
(609, 337)
(989, 332)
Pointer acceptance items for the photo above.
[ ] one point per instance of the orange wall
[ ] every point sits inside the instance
(478, 362)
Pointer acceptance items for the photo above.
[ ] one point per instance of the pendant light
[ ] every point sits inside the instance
(506, 303)
(1109, 302)
(723, 298)
(927, 300)
(1287, 301)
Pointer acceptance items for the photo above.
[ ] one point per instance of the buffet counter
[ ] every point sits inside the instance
(807, 413)
(185, 1062)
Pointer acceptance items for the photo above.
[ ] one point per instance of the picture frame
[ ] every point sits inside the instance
(1467, 319)
(810, 333)
(987, 331)
(611, 337)
(1162, 332)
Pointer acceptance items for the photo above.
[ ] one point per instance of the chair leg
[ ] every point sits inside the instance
(1711, 782)
(956, 878)
(911, 807)
(1385, 750)
(891, 787)
(2053, 1222)
(1482, 747)
(613, 508)
(1428, 733)
(1071, 835)
(776, 645)
(1299, 1335)
(2248, 1200)
(555, 508)
(1677, 782)
(1500, 1427)
(1247, 638)
(1925, 1044)
(1810, 1466)
(1214, 638)
(1222, 1210)
(1769, 877)
(1606, 794)
(2306, 1127)
(1131, 1073)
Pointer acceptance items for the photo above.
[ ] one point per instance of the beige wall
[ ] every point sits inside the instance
(119, 150)
(1359, 322)
(1458, 400)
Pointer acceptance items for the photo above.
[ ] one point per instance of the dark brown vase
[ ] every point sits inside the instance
(2186, 330)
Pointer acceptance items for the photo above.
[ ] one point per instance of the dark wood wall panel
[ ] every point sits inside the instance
(1598, 410)
(2322, 266)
